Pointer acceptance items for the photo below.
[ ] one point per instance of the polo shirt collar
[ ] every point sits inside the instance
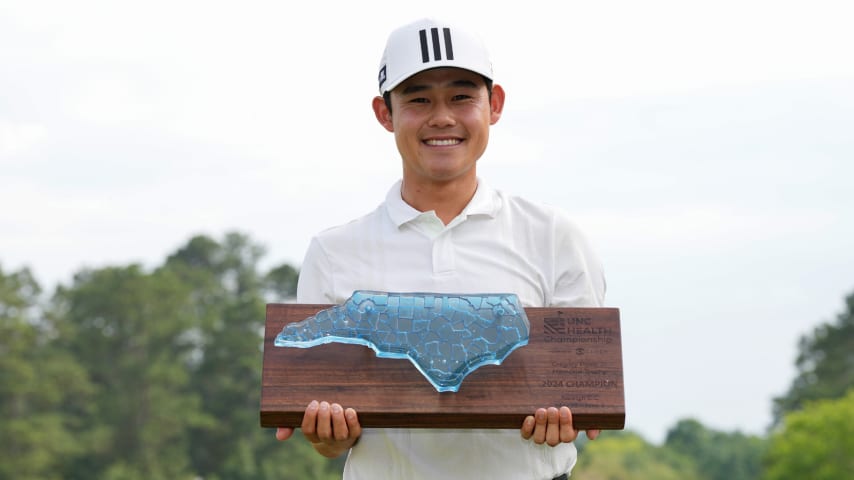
(484, 202)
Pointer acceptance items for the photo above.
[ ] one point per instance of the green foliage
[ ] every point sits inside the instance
(718, 455)
(128, 330)
(281, 283)
(627, 456)
(37, 382)
(825, 364)
(691, 451)
(131, 374)
(816, 442)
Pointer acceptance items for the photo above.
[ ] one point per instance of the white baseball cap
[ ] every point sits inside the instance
(430, 43)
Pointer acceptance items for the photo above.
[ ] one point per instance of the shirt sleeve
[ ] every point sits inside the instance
(315, 283)
(579, 275)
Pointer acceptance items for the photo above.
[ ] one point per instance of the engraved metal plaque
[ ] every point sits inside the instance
(573, 358)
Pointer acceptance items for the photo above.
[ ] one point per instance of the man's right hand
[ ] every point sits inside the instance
(330, 429)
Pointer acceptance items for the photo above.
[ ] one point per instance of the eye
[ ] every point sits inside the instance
(418, 100)
(461, 97)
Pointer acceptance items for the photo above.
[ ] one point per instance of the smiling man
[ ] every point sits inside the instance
(441, 126)
(442, 229)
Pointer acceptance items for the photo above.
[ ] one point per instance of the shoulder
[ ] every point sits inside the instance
(366, 225)
(356, 226)
(536, 214)
(329, 252)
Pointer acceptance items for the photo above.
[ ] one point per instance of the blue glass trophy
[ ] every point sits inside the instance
(445, 336)
(488, 362)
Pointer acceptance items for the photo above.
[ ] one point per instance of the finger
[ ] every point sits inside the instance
(593, 433)
(324, 422)
(339, 423)
(552, 427)
(283, 434)
(567, 432)
(353, 425)
(309, 422)
(540, 426)
(528, 427)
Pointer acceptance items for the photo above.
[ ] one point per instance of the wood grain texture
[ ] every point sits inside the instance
(573, 358)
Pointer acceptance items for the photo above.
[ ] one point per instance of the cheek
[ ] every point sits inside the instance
(478, 124)
(405, 140)
(405, 128)
(478, 117)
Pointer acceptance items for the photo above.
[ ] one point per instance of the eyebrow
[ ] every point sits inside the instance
(422, 87)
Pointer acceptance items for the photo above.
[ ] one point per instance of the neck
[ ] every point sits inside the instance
(447, 199)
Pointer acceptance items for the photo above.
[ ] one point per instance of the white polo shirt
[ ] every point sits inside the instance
(498, 243)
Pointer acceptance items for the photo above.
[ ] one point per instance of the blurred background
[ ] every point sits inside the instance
(164, 165)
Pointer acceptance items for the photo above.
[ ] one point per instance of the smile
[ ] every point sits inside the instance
(443, 142)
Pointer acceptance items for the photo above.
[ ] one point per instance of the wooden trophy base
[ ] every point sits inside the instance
(573, 358)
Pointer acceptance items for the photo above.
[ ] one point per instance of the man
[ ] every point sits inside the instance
(442, 229)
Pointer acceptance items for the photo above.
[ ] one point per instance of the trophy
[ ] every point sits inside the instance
(474, 361)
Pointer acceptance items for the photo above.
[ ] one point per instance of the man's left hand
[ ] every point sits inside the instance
(552, 427)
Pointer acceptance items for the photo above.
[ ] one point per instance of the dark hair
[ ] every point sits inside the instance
(488, 82)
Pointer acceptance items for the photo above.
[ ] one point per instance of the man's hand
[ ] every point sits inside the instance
(330, 429)
(552, 427)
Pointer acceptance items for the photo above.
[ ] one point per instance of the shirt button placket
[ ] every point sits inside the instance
(443, 253)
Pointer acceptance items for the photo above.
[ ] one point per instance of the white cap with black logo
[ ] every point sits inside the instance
(430, 43)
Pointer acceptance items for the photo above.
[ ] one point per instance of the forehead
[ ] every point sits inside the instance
(441, 77)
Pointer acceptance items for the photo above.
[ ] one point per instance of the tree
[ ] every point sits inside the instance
(228, 293)
(281, 283)
(226, 288)
(134, 374)
(130, 330)
(719, 455)
(627, 456)
(36, 380)
(825, 364)
(816, 442)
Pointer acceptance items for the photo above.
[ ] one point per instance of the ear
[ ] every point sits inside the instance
(496, 104)
(382, 113)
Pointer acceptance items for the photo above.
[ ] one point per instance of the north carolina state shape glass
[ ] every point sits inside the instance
(446, 336)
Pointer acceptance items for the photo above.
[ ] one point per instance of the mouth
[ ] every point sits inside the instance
(443, 142)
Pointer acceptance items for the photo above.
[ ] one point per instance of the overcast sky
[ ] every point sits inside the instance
(705, 147)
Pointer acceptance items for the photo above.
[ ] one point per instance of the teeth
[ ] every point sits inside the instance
(443, 142)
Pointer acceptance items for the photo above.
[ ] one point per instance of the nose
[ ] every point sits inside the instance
(441, 116)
